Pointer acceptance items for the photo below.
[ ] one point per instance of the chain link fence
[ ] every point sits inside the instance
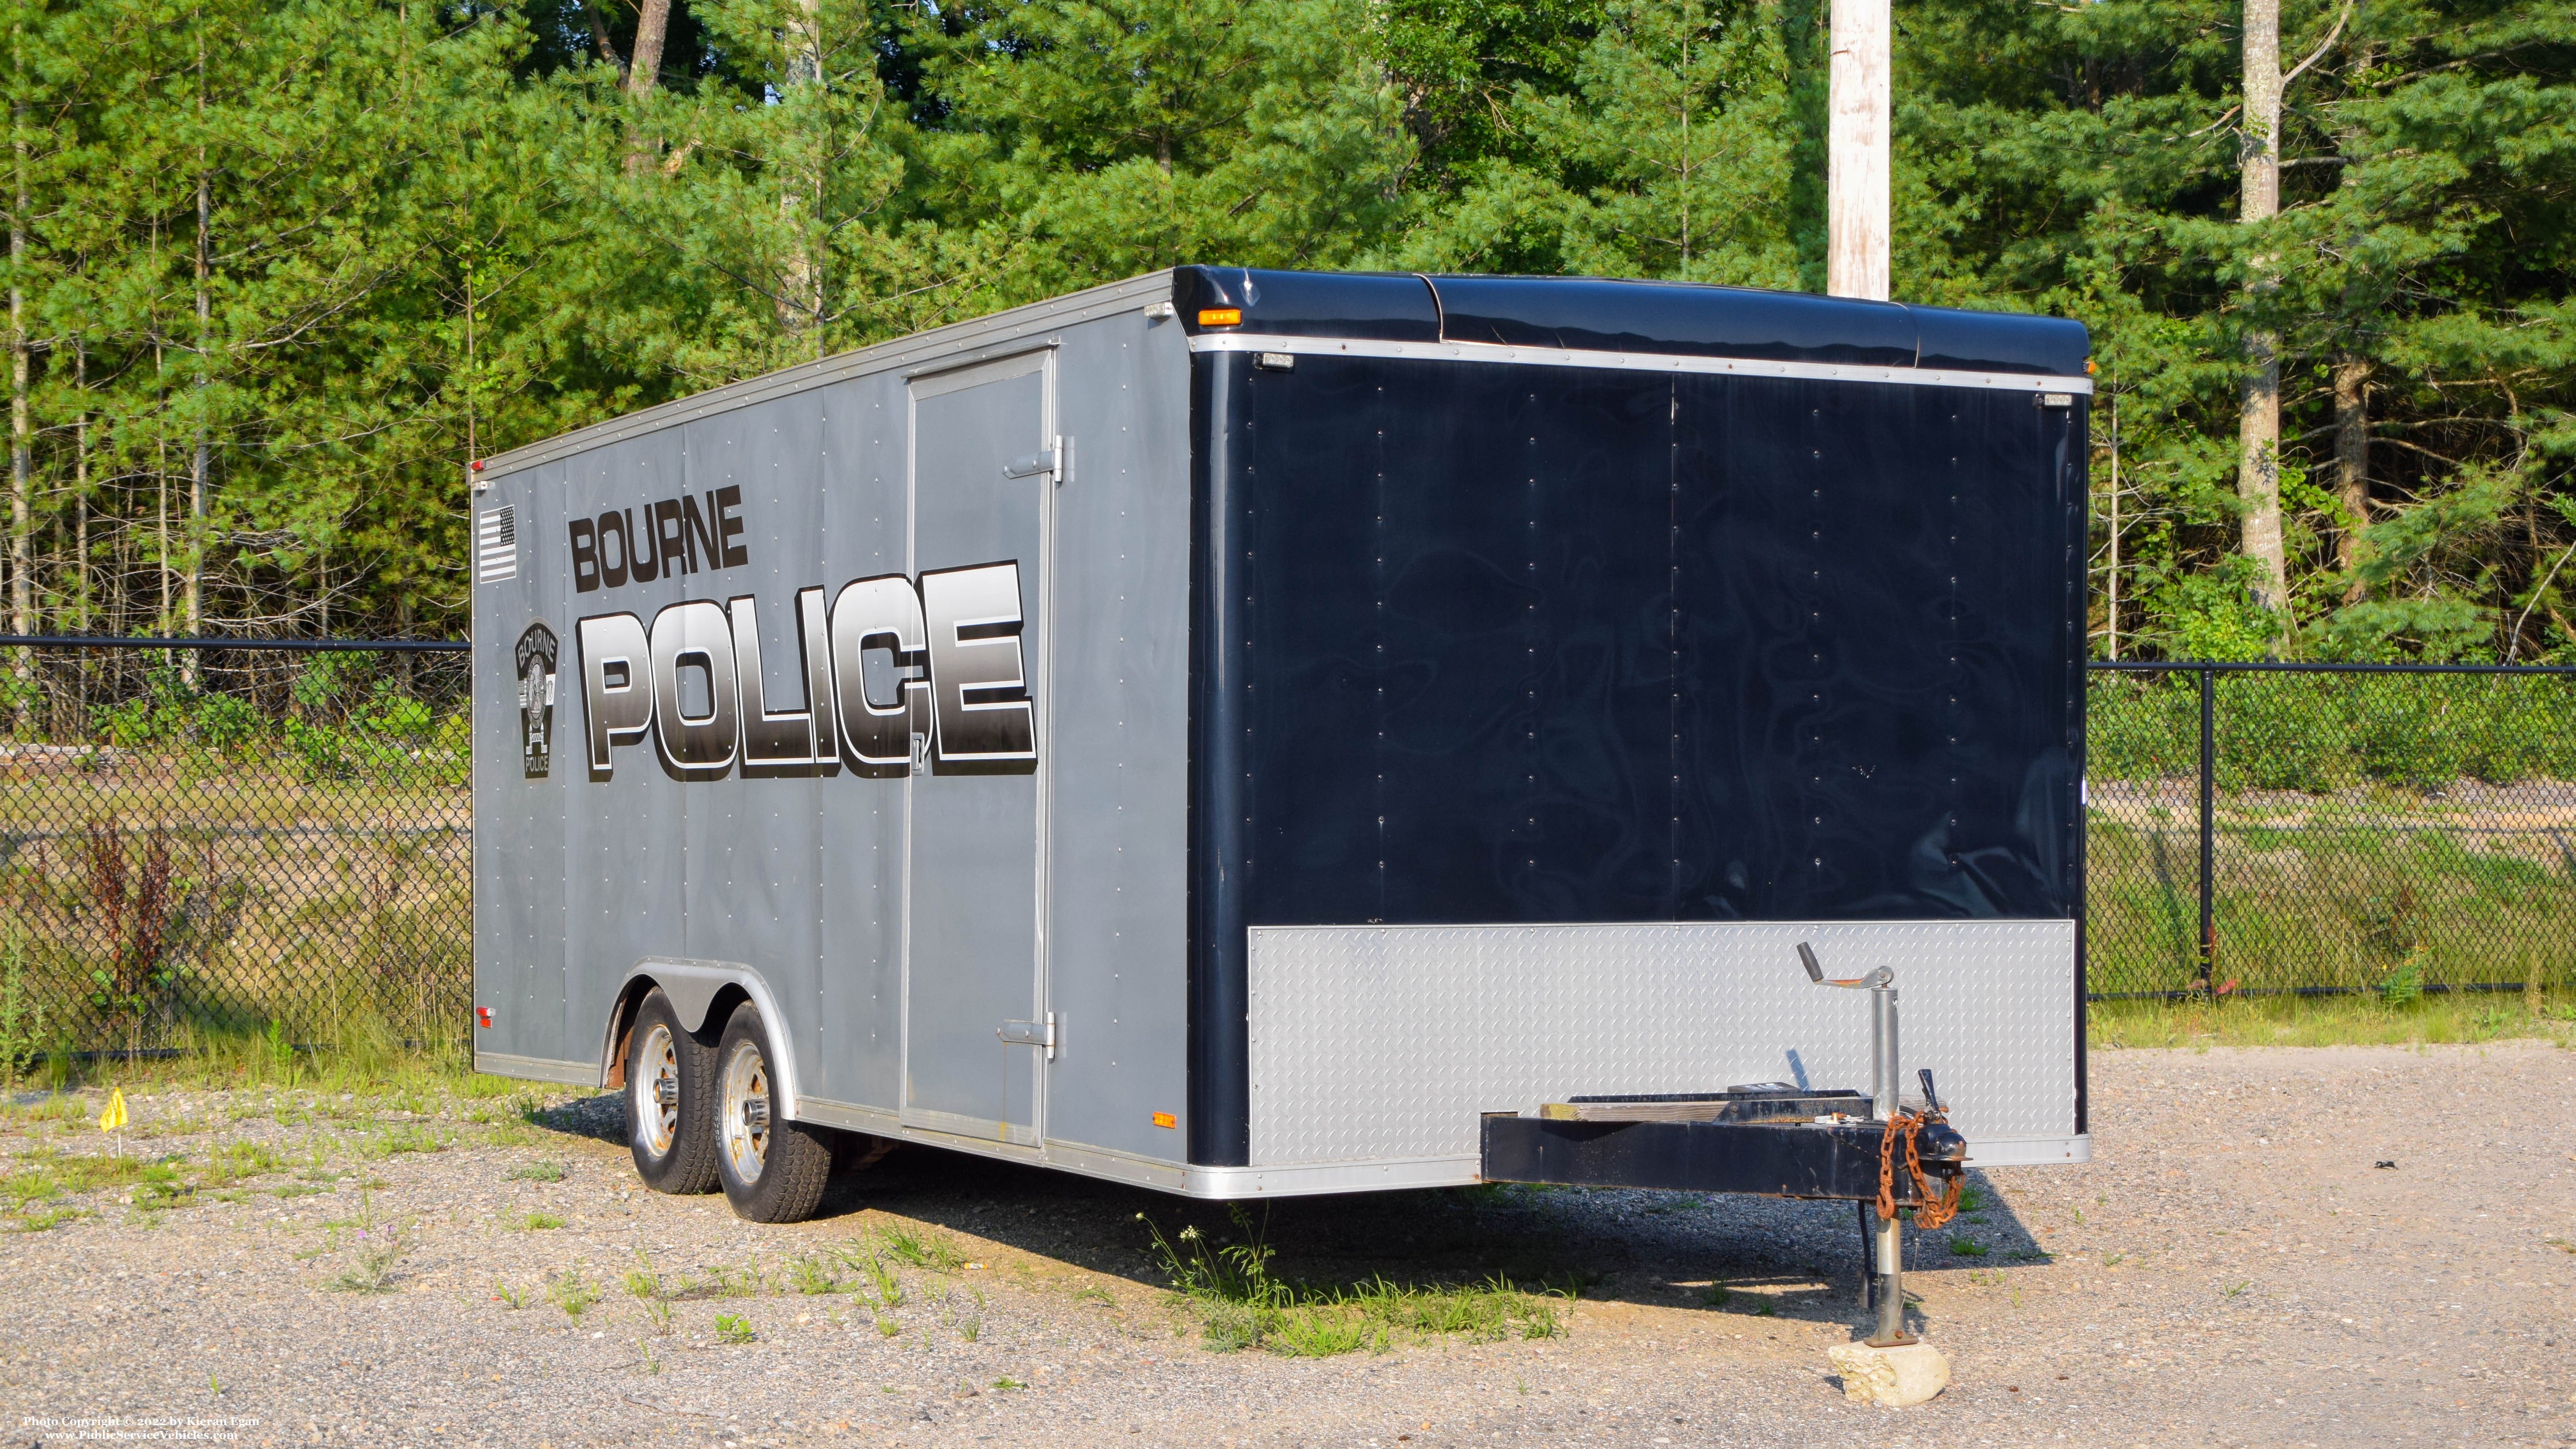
(275, 836)
(2263, 828)
(247, 836)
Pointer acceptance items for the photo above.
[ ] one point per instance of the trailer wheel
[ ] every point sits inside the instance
(773, 1170)
(670, 1088)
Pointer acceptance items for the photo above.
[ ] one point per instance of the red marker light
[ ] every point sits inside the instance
(483, 1016)
(478, 465)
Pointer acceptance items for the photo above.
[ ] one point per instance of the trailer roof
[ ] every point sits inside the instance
(956, 344)
(1565, 315)
(1594, 314)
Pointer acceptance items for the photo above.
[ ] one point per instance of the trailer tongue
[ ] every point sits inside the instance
(1768, 1139)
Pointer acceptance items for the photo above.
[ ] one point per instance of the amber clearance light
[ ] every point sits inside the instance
(1220, 316)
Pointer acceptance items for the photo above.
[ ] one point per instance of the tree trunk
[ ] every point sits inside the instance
(1856, 151)
(196, 602)
(2352, 468)
(800, 199)
(2258, 434)
(599, 39)
(642, 72)
(22, 473)
(80, 487)
(197, 457)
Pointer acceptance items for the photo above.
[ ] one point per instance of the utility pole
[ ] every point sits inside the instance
(1856, 152)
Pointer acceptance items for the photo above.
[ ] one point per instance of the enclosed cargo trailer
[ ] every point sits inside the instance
(1232, 731)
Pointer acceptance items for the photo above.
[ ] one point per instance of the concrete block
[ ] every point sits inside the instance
(1890, 1377)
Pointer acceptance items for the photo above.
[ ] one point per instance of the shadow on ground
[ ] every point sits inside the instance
(1754, 1257)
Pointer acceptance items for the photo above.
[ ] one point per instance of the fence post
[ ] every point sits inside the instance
(2208, 812)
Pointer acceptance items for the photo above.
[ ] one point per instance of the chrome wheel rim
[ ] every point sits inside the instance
(657, 1109)
(746, 1110)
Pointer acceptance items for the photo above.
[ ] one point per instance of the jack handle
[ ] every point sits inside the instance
(1816, 972)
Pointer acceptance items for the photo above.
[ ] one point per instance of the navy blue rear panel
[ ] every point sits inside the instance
(1490, 643)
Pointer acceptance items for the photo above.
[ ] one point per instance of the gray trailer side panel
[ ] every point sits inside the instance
(862, 534)
(1118, 922)
(801, 880)
(518, 934)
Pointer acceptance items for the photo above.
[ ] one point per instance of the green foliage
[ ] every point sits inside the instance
(2327, 732)
(2215, 615)
(1669, 156)
(431, 233)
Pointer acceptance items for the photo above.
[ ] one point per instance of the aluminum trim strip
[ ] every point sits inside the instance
(537, 1069)
(1635, 362)
(1116, 1166)
(941, 1126)
(1230, 1183)
(952, 345)
(1106, 1163)
(875, 1121)
(1317, 1178)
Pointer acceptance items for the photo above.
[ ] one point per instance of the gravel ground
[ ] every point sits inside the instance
(2231, 1269)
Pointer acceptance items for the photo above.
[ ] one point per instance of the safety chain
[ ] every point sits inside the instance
(1929, 1211)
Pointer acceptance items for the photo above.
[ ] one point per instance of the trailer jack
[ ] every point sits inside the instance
(1767, 1139)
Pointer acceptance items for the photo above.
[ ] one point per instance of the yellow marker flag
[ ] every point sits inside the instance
(113, 1119)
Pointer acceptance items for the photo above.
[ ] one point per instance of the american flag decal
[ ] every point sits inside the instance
(496, 545)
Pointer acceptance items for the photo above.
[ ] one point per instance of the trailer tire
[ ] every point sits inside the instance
(773, 1170)
(673, 1140)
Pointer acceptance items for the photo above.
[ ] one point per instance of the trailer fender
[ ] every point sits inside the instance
(694, 988)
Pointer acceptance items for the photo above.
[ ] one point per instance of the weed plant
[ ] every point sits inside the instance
(572, 1293)
(1240, 1302)
(376, 1250)
(921, 1250)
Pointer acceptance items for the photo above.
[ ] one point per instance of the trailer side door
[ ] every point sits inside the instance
(981, 480)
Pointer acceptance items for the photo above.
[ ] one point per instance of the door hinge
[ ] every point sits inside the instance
(1055, 462)
(1031, 1033)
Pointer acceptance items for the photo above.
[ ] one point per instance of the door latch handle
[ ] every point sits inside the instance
(1030, 1033)
(1056, 461)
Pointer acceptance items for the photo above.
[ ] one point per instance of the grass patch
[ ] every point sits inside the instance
(45, 1173)
(538, 1172)
(538, 1223)
(2372, 1020)
(406, 1139)
(37, 1220)
(1239, 1302)
(734, 1328)
(237, 1162)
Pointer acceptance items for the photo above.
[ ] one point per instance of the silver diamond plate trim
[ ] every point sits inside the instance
(1380, 1042)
